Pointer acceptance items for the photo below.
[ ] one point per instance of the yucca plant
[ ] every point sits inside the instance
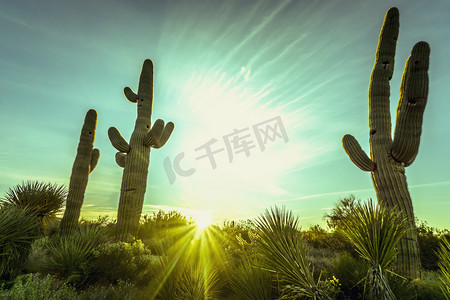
(375, 232)
(45, 200)
(68, 253)
(18, 229)
(285, 254)
(199, 282)
(444, 265)
(251, 282)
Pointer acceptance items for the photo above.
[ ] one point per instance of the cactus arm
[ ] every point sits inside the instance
(379, 89)
(145, 89)
(95, 155)
(411, 106)
(159, 134)
(130, 95)
(120, 159)
(117, 140)
(168, 129)
(357, 154)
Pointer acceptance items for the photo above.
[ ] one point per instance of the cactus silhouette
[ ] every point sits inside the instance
(134, 157)
(389, 157)
(85, 162)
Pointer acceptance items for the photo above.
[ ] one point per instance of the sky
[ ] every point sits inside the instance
(270, 87)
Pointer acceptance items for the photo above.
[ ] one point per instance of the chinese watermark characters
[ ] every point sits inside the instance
(239, 142)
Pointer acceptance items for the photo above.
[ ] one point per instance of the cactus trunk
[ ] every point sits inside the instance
(134, 157)
(391, 187)
(134, 184)
(85, 162)
(388, 158)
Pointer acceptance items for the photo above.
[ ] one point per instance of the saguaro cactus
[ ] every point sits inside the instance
(388, 158)
(85, 162)
(134, 157)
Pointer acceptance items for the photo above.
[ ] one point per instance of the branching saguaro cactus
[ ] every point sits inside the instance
(134, 157)
(85, 162)
(389, 157)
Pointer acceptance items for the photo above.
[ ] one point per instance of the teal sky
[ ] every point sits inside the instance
(220, 66)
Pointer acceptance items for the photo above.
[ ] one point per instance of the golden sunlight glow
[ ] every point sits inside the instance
(226, 112)
(203, 218)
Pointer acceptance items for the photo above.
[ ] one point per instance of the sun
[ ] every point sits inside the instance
(203, 218)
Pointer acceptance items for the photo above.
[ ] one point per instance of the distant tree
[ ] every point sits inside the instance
(340, 211)
(429, 240)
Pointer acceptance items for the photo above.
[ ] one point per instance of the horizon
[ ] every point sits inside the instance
(220, 68)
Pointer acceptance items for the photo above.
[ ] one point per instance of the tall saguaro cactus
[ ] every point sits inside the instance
(389, 157)
(85, 162)
(134, 157)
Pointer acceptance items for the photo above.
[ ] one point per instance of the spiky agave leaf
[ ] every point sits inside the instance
(45, 200)
(444, 265)
(69, 252)
(251, 282)
(18, 229)
(285, 253)
(199, 282)
(375, 232)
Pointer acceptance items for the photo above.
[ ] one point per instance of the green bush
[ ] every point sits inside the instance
(121, 291)
(425, 288)
(428, 238)
(69, 252)
(38, 287)
(119, 261)
(351, 272)
(18, 229)
(163, 229)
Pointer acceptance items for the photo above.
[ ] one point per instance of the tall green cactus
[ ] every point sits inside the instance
(388, 158)
(85, 162)
(134, 157)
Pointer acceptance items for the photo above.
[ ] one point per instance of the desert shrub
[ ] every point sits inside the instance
(119, 291)
(119, 261)
(38, 287)
(316, 237)
(351, 272)
(162, 229)
(425, 288)
(68, 253)
(240, 241)
(103, 223)
(38, 257)
(18, 229)
(429, 238)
